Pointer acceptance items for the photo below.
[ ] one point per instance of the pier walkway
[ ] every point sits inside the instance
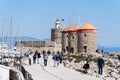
(39, 72)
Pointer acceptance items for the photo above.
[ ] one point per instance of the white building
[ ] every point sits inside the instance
(4, 72)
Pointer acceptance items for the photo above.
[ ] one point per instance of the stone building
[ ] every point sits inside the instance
(77, 39)
(56, 33)
(64, 39)
(87, 38)
(72, 39)
(69, 39)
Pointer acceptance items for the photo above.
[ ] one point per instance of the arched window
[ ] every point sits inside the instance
(85, 35)
(73, 37)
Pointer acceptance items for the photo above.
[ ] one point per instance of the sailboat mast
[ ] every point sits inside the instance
(11, 33)
(2, 42)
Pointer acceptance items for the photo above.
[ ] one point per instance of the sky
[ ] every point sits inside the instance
(35, 18)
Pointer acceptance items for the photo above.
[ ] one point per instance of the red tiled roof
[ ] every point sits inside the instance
(88, 26)
(76, 27)
(69, 28)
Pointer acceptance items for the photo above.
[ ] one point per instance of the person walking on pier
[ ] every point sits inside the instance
(56, 59)
(38, 57)
(34, 58)
(45, 57)
(61, 57)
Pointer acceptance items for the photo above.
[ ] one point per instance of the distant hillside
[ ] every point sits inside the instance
(23, 38)
(47, 39)
(27, 38)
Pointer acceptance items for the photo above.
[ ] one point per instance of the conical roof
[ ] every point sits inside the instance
(69, 28)
(87, 26)
(76, 27)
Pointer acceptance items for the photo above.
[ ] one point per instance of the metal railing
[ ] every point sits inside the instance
(25, 73)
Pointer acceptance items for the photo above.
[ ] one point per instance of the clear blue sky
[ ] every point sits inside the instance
(35, 18)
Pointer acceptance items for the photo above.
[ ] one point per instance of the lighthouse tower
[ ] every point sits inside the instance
(56, 33)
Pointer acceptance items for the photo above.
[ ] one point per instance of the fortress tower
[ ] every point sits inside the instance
(69, 39)
(75, 39)
(87, 38)
(72, 39)
(56, 33)
(64, 40)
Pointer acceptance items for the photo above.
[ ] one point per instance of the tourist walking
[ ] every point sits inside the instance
(38, 57)
(100, 65)
(54, 59)
(61, 57)
(45, 57)
(36, 52)
(34, 58)
(57, 58)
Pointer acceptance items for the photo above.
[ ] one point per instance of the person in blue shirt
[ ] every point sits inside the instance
(100, 65)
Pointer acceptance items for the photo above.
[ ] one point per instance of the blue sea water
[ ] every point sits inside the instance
(109, 49)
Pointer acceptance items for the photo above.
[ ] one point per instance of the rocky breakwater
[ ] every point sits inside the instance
(111, 70)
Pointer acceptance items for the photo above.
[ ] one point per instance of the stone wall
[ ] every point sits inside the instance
(56, 35)
(31, 43)
(39, 45)
(87, 42)
(40, 49)
(72, 43)
(64, 41)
